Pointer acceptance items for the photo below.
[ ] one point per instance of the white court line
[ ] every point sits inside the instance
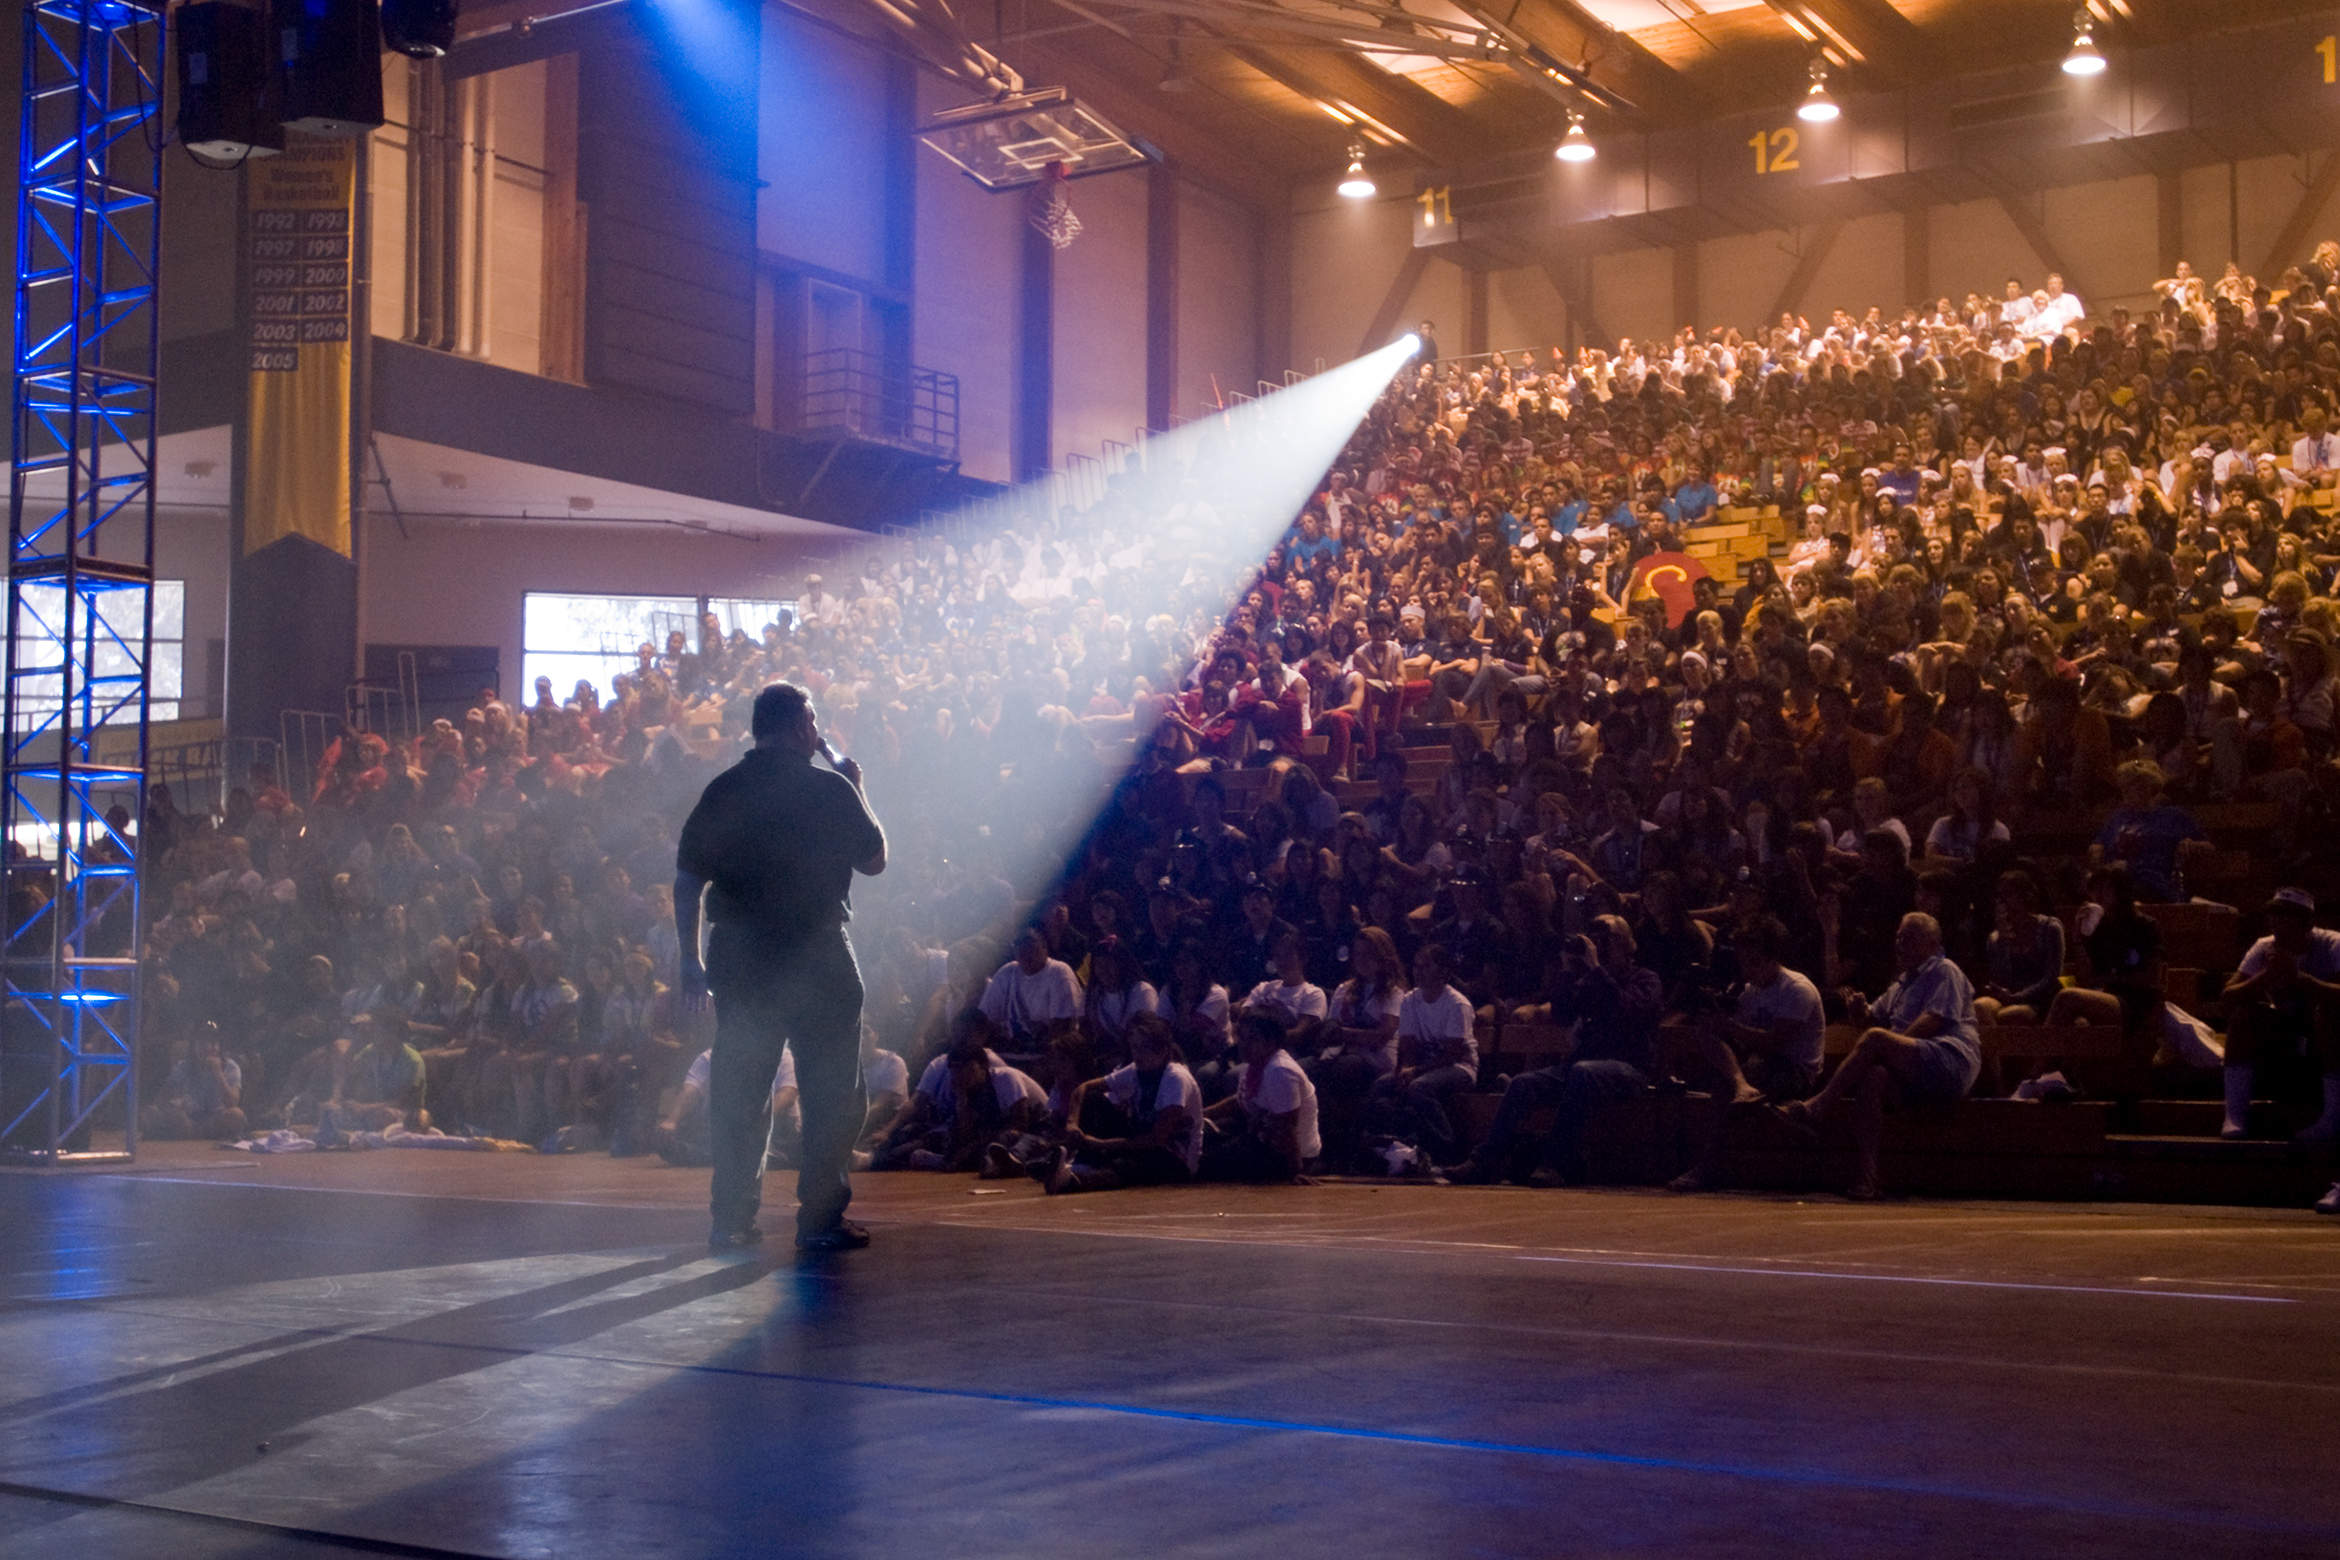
(1911, 1278)
(1419, 1248)
(1435, 1248)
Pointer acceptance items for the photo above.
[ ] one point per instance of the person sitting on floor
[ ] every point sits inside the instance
(1922, 1048)
(1614, 1001)
(1267, 1127)
(1139, 1125)
(202, 1098)
(2285, 1014)
(1031, 995)
(379, 1084)
(982, 1101)
(1770, 1049)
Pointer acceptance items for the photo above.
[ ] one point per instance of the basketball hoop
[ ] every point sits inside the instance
(1051, 208)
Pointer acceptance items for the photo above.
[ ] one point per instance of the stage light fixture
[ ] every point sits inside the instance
(227, 93)
(2085, 59)
(1818, 107)
(1357, 184)
(1575, 146)
(330, 52)
(419, 29)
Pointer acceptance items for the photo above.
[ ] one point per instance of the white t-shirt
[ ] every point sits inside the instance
(884, 1073)
(2321, 961)
(1441, 1030)
(1793, 998)
(1116, 1008)
(935, 1081)
(1176, 1091)
(701, 1073)
(1351, 1011)
(1007, 1086)
(1283, 1088)
(1024, 1004)
(1946, 839)
(1291, 1003)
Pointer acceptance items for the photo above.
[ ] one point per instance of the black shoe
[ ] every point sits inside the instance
(732, 1240)
(1000, 1165)
(844, 1235)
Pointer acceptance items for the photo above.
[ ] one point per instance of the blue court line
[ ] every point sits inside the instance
(1810, 1477)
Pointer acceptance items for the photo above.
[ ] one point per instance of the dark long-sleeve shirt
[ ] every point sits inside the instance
(1618, 1016)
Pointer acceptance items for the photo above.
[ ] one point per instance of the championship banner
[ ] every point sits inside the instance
(298, 220)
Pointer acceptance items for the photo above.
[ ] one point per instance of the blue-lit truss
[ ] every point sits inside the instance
(73, 716)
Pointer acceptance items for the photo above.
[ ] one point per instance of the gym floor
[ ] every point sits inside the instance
(209, 1355)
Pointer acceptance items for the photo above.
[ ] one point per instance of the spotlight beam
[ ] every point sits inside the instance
(1186, 530)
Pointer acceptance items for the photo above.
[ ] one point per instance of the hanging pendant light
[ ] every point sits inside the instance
(2085, 59)
(1818, 107)
(1575, 146)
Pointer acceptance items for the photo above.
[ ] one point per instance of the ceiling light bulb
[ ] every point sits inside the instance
(1357, 184)
(1818, 107)
(1575, 146)
(2085, 59)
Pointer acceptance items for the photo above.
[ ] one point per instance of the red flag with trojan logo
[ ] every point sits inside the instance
(1667, 576)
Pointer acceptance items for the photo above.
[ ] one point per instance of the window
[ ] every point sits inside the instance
(595, 638)
(110, 651)
(747, 616)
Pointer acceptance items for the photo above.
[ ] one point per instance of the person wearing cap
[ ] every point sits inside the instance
(2284, 1016)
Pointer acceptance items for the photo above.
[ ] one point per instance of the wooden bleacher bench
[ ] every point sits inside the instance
(2199, 936)
(1526, 1047)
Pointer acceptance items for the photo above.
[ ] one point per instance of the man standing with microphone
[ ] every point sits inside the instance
(776, 842)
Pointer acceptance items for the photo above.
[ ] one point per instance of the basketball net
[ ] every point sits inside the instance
(1051, 208)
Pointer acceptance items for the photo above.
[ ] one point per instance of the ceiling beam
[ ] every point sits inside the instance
(1574, 43)
(1872, 30)
(1429, 125)
(1198, 152)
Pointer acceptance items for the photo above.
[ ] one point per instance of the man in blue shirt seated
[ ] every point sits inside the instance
(1312, 544)
(1571, 509)
(1923, 1048)
(1696, 500)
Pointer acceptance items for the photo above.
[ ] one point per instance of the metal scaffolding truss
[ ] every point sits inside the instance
(73, 712)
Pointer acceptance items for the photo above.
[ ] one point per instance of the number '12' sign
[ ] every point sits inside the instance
(1775, 150)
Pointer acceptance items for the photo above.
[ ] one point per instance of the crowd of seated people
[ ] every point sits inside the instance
(2051, 567)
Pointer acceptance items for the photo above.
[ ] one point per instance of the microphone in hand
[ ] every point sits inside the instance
(844, 766)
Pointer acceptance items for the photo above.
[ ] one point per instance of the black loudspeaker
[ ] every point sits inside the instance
(227, 92)
(424, 29)
(330, 54)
